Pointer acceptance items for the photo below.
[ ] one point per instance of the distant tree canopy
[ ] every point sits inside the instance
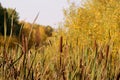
(12, 21)
(39, 32)
(48, 30)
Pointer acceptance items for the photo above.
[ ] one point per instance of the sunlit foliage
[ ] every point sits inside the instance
(95, 20)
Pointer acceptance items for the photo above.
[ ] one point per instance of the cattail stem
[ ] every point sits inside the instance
(11, 32)
(4, 51)
(5, 26)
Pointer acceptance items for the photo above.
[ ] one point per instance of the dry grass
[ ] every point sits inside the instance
(72, 63)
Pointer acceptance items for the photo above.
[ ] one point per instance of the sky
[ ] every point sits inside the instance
(50, 11)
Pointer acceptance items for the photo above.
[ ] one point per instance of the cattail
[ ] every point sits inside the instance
(107, 51)
(37, 37)
(24, 51)
(61, 41)
(24, 44)
(28, 60)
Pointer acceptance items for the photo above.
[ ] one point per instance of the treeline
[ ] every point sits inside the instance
(11, 26)
(39, 33)
(10, 18)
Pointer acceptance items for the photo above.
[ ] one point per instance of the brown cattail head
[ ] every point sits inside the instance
(37, 37)
(24, 44)
(107, 51)
(60, 48)
(61, 42)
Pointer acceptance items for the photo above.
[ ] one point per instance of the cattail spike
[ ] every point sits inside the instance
(61, 42)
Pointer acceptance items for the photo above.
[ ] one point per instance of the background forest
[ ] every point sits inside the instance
(14, 28)
(86, 46)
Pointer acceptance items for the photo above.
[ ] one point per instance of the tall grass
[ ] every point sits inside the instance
(74, 63)
(61, 60)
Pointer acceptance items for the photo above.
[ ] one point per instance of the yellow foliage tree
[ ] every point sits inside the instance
(95, 20)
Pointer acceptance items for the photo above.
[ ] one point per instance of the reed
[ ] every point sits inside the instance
(80, 65)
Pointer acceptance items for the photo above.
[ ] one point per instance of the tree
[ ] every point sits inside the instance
(95, 20)
(1, 18)
(48, 30)
(12, 21)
